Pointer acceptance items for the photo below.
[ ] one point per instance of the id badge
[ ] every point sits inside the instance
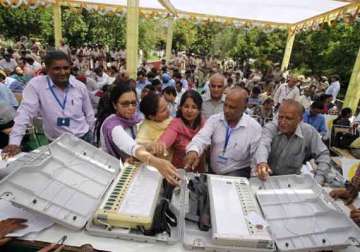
(63, 121)
(221, 160)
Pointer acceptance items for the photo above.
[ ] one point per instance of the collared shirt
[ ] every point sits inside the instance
(318, 122)
(285, 92)
(241, 147)
(333, 89)
(38, 99)
(211, 107)
(287, 155)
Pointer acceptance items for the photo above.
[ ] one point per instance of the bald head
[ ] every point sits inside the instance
(238, 93)
(235, 105)
(217, 86)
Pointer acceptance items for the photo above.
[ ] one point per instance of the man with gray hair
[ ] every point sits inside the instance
(286, 144)
(214, 103)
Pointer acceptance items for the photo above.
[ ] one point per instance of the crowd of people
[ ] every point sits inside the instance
(194, 113)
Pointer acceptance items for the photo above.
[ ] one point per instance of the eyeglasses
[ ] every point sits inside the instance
(127, 104)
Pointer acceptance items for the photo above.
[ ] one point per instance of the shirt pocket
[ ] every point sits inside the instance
(238, 151)
(294, 162)
(75, 104)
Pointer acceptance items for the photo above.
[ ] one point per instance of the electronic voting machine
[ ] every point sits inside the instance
(285, 213)
(236, 218)
(131, 200)
(72, 183)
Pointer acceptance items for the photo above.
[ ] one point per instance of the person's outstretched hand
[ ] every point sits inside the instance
(263, 171)
(167, 170)
(10, 151)
(191, 160)
(8, 226)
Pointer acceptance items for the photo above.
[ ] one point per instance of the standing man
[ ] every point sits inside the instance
(61, 100)
(286, 144)
(232, 136)
(214, 103)
(287, 90)
(334, 87)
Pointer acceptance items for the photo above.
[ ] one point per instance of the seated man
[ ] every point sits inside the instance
(315, 118)
(286, 144)
(232, 136)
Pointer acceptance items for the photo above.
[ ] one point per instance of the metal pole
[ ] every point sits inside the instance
(132, 37)
(353, 91)
(288, 49)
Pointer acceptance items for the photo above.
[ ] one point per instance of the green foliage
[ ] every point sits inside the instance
(151, 34)
(17, 22)
(328, 51)
(184, 34)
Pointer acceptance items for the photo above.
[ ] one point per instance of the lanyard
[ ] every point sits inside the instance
(62, 105)
(227, 138)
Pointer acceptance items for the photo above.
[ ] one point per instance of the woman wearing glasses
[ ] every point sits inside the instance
(116, 127)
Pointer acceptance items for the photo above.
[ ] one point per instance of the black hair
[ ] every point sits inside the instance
(55, 55)
(149, 104)
(155, 82)
(141, 73)
(256, 90)
(98, 70)
(323, 97)
(170, 90)
(29, 60)
(177, 75)
(317, 105)
(179, 82)
(336, 77)
(196, 97)
(345, 112)
(149, 87)
(150, 75)
(105, 106)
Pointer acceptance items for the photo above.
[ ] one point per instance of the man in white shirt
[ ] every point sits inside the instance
(232, 136)
(287, 91)
(334, 87)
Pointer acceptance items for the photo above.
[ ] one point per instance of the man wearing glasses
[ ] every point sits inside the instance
(61, 100)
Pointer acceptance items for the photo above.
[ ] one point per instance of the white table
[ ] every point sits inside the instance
(78, 238)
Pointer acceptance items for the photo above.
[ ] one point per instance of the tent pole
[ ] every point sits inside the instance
(169, 39)
(353, 91)
(57, 23)
(288, 49)
(132, 37)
